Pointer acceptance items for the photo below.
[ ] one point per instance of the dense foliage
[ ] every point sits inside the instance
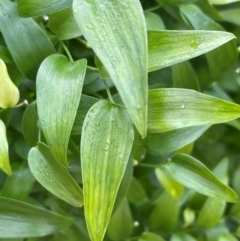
(119, 120)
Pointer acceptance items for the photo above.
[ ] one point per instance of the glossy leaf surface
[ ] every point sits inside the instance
(19, 219)
(28, 44)
(106, 143)
(51, 175)
(33, 8)
(9, 93)
(171, 109)
(59, 84)
(193, 174)
(4, 159)
(102, 23)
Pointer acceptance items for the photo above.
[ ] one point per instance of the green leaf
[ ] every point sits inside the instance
(184, 76)
(51, 175)
(200, 21)
(4, 159)
(33, 8)
(106, 142)
(174, 188)
(164, 214)
(227, 237)
(121, 224)
(29, 125)
(219, 2)
(193, 174)
(59, 88)
(182, 237)
(102, 24)
(147, 236)
(153, 21)
(171, 109)
(9, 94)
(21, 220)
(170, 47)
(85, 104)
(161, 144)
(21, 177)
(67, 28)
(28, 44)
(231, 15)
(5, 55)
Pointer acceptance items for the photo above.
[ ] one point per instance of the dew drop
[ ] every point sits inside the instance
(182, 106)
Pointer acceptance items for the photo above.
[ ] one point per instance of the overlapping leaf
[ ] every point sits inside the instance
(59, 84)
(102, 23)
(53, 176)
(106, 142)
(28, 44)
(171, 109)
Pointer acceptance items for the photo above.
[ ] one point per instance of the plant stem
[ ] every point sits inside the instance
(108, 91)
(67, 52)
(84, 43)
(148, 165)
(153, 8)
(92, 68)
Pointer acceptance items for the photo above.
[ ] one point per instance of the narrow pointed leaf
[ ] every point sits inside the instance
(193, 174)
(106, 142)
(160, 144)
(67, 28)
(28, 44)
(51, 175)
(59, 88)
(33, 8)
(171, 109)
(116, 30)
(9, 93)
(4, 159)
(21, 220)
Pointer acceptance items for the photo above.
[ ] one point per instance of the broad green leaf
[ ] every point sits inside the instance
(167, 48)
(200, 21)
(4, 159)
(174, 188)
(21, 220)
(161, 144)
(33, 8)
(164, 214)
(227, 237)
(193, 174)
(59, 88)
(231, 15)
(171, 109)
(147, 236)
(116, 30)
(153, 21)
(219, 2)
(9, 93)
(121, 224)
(182, 237)
(5, 55)
(30, 126)
(106, 142)
(85, 104)
(67, 28)
(21, 177)
(51, 175)
(28, 44)
(184, 76)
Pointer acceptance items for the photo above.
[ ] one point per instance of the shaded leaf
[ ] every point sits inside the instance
(28, 44)
(9, 93)
(19, 219)
(171, 46)
(147, 236)
(102, 24)
(153, 21)
(5, 55)
(171, 109)
(52, 176)
(33, 8)
(193, 174)
(67, 28)
(182, 237)
(231, 15)
(4, 159)
(59, 88)
(108, 135)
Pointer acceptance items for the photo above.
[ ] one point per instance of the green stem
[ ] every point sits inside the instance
(108, 91)
(84, 43)
(148, 165)
(67, 52)
(153, 8)
(92, 68)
